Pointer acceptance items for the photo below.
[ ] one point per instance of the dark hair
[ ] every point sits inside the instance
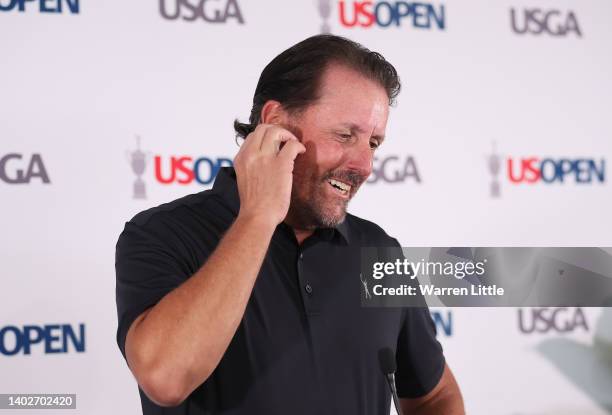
(292, 78)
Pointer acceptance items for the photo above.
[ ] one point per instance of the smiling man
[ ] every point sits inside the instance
(245, 299)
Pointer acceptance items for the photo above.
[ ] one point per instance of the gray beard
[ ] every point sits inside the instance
(310, 214)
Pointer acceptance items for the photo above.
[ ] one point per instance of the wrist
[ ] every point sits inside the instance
(261, 222)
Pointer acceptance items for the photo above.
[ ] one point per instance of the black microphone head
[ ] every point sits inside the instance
(386, 357)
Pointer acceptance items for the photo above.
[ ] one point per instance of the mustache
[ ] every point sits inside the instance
(351, 177)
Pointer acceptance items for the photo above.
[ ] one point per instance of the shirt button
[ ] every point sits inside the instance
(301, 256)
(308, 288)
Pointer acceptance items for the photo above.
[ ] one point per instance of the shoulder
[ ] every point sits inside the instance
(198, 208)
(367, 233)
(199, 218)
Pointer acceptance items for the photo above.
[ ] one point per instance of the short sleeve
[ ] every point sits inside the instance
(420, 361)
(146, 270)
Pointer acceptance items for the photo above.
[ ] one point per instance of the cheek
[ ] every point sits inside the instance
(324, 154)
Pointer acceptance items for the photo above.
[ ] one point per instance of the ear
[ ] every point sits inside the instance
(273, 113)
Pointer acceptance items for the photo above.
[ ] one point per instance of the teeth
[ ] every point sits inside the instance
(339, 185)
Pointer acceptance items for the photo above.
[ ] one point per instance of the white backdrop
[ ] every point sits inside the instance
(78, 86)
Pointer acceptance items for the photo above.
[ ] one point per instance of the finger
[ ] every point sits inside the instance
(273, 137)
(290, 151)
(253, 140)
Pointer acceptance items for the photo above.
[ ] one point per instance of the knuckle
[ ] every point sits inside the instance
(274, 130)
(280, 131)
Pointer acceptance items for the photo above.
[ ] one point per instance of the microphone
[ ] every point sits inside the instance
(386, 358)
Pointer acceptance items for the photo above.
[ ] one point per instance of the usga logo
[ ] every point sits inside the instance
(384, 14)
(394, 169)
(551, 22)
(17, 168)
(204, 10)
(559, 320)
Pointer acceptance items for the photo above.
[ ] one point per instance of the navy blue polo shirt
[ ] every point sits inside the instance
(305, 344)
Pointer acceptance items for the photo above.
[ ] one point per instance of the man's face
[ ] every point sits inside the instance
(340, 132)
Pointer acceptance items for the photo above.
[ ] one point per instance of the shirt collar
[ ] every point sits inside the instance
(343, 229)
(225, 186)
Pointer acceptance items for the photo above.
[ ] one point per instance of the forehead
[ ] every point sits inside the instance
(346, 96)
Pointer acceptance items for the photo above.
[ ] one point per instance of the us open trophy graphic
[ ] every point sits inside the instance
(494, 161)
(138, 161)
(324, 12)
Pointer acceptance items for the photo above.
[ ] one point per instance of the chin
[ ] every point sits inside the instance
(332, 217)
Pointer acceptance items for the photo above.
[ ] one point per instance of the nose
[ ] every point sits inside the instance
(360, 158)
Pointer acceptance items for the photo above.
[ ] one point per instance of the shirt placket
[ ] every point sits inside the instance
(307, 283)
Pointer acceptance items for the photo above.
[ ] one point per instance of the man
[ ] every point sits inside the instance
(245, 299)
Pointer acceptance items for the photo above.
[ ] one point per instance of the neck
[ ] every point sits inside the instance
(301, 232)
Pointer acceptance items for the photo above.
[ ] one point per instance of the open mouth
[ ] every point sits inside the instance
(342, 188)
